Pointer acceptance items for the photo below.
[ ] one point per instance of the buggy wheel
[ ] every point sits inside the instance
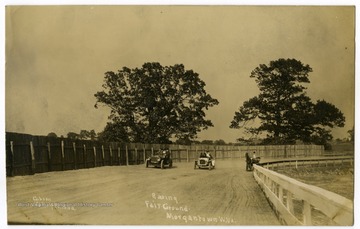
(162, 164)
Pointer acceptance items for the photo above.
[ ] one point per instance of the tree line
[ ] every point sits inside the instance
(92, 135)
(156, 103)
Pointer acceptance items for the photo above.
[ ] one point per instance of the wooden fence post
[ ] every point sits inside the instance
(281, 195)
(187, 155)
(49, 157)
(111, 154)
(75, 156)
(144, 150)
(94, 156)
(32, 151)
(289, 202)
(84, 157)
(12, 165)
(62, 155)
(118, 154)
(127, 154)
(307, 213)
(103, 155)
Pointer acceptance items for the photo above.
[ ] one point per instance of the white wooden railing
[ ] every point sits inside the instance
(281, 191)
(316, 161)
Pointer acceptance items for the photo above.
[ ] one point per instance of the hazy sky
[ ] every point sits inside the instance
(56, 57)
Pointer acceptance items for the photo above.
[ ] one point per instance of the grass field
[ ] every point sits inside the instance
(339, 180)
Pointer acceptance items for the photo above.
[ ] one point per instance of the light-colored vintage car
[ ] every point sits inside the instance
(205, 161)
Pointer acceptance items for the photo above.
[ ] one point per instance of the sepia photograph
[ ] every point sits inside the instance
(179, 114)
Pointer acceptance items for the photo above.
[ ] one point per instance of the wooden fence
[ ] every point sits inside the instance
(326, 161)
(28, 154)
(282, 191)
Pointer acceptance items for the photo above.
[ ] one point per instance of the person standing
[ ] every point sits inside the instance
(254, 155)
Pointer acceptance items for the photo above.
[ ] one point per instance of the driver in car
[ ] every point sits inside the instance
(208, 155)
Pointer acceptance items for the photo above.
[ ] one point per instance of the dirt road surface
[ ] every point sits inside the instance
(135, 195)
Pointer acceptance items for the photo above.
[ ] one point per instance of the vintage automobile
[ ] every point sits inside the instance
(205, 160)
(160, 159)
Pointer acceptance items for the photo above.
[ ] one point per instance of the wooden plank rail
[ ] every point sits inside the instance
(307, 161)
(282, 190)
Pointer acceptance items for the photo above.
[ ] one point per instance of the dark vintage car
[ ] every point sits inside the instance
(250, 162)
(161, 159)
(206, 161)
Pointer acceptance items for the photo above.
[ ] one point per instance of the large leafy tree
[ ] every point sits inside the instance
(283, 110)
(154, 103)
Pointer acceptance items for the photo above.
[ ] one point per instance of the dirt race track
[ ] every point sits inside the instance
(135, 195)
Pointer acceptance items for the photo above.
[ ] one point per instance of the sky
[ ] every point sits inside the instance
(56, 57)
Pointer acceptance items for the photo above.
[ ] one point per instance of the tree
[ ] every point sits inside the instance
(283, 109)
(72, 135)
(84, 134)
(52, 135)
(153, 104)
(113, 133)
(219, 142)
(207, 142)
(351, 134)
(87, 135)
